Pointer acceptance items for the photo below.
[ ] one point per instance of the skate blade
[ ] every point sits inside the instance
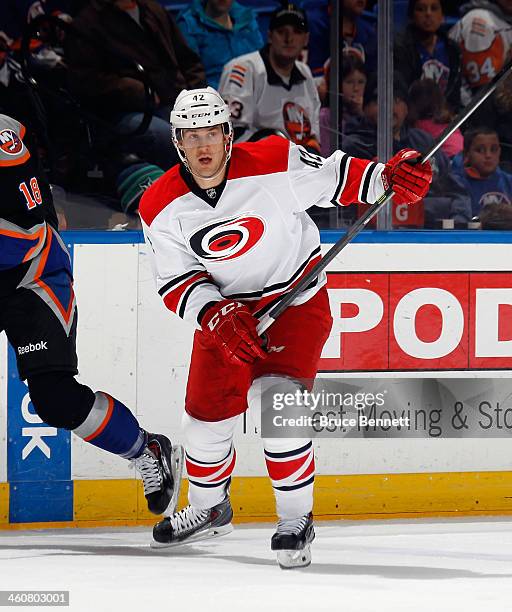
(291, 559)
(176, 469)
(209, 534)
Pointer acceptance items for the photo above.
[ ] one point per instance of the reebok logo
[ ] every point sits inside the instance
(32, 348)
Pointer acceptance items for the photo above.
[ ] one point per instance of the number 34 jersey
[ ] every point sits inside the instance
(30, 246)
(256, 241)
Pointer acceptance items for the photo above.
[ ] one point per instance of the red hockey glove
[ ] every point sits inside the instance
(409, 182)
(233, 328)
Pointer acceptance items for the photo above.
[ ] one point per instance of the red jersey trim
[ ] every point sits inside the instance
(162, 192)
(266, 156)
(173, 297)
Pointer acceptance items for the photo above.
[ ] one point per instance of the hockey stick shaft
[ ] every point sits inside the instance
(359, 225)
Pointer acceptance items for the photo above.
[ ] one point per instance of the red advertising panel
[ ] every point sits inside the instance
(402, 215)
(428, 321)
(491, 320)
(419, 321)
(359, 336)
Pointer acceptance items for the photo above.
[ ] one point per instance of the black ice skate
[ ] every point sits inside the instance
(161, 466)
(292, 542)
(191, 524)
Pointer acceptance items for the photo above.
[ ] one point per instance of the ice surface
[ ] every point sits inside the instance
(378, 566)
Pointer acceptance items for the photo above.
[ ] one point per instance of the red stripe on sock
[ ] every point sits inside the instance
(278, 470)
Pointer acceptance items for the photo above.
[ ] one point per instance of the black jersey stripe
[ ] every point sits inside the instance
(344, 164)
(262, 311)
(363, 194)
(176, 281)
(186, 295)
(276, 286)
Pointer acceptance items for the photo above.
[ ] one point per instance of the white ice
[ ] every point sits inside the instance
(378, 566)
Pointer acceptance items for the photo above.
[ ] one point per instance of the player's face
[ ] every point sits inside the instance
(428, 15)
(287, 42)
(204, 149)
(353, 87)
(484, 154)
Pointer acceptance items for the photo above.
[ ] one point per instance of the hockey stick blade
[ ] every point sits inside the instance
(359, 225)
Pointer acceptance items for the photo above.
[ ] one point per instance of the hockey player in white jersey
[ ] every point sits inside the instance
(228, 234)
(271, 90)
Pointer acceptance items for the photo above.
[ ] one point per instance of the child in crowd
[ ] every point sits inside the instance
(353, 83)
(424, 50)
(359, 36)
(479, 169)
(429, 111)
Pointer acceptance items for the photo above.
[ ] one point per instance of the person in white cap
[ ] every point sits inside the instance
(228, 235)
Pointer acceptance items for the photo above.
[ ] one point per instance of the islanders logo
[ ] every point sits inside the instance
(10, 142)
(227, 239)
(492, 198)
(296, 122)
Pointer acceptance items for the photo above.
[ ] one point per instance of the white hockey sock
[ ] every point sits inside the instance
(210, 459)
(291, 467)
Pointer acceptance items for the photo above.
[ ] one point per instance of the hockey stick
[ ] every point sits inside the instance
(359, 225)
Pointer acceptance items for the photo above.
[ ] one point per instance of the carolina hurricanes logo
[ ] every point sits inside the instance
(296, 122)
(227, 239)
(10, 143)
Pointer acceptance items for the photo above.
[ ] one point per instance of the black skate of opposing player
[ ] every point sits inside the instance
(191, 524)
(161, 467)
(292, 541)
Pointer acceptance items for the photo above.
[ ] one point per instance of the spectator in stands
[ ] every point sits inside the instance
(353, 83)
(14, 16)
(485, 181)
(496, 216)
(495, 114)
(359, 36)
(484, 35)
(425, 51)
(270, 90)
(448, 197)
(110, 38)
(319, 47)
(428, 111)
(16, 98)
(218, 31)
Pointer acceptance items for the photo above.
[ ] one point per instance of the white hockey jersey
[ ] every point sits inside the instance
(257, 241)
(485, 39)
(259, 99)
